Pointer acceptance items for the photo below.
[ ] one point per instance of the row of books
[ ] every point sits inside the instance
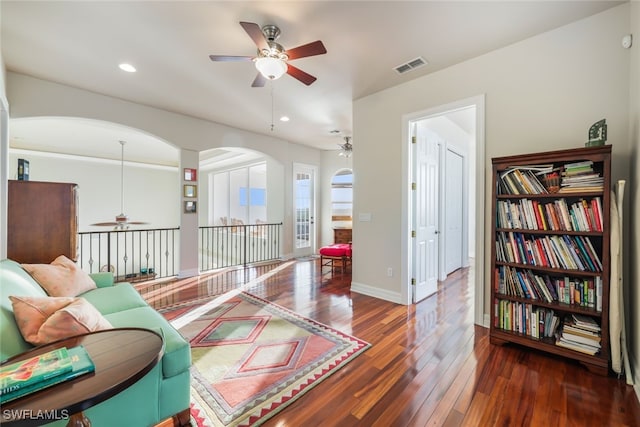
(532, 215)
(521, 180)
(39, 372)
(564, 252)
(527, 319)
(580, 177)
(530, 179)
(580, 333)
(524, 283)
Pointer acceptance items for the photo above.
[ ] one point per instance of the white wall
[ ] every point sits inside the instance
(150, 192)
(31, 97)
(541, 94)
(633, 195)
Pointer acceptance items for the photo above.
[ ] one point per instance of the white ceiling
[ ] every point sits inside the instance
(81, 44)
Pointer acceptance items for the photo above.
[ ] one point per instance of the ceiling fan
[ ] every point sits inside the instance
(122, 221)
(271, 60)
(346, 148)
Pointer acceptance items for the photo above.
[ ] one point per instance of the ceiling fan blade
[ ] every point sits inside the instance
(228, 58)
(105, 224)
(259, 81)
(300, 75)
(255, 32)
(137, 222)
(309, 49)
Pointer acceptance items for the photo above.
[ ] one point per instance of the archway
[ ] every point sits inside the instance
(87, 152)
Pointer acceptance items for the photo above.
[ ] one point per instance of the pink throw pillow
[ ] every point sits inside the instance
(61, 278)
(42, 320)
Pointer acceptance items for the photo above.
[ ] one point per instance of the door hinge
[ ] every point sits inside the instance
(413, 186)
(413, 233)
(413, 281)
(413, 139)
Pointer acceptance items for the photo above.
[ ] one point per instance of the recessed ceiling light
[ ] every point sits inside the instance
(127, 67)
(284, 119)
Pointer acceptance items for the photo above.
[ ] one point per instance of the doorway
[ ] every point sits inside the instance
(304, 209)
(455, 213)
(472, 188)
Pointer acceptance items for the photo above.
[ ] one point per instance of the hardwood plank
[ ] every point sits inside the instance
(428, 364)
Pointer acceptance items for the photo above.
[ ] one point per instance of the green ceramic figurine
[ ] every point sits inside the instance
(597, 134)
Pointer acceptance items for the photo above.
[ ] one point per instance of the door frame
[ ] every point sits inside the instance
(4, 173)
(406, 223)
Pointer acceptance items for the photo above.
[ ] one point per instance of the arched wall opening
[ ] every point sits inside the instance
(240, 184)
(87, 152)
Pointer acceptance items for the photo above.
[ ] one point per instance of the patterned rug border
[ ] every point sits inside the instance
(312, 325)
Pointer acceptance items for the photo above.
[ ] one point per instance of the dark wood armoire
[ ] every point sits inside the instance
(42, 221)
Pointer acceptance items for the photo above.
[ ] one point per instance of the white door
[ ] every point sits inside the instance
(304, 209)
(453, 206)
(425, 213)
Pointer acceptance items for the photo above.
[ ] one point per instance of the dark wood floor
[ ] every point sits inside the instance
(428, 364)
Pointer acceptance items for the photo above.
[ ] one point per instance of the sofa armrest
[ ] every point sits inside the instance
(103, 279)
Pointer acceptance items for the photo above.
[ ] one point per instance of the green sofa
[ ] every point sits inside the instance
(162, 393)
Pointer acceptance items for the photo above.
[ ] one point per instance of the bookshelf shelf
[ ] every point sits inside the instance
(559, 306)
(568, 272)
(553, 245)
(550, 195)
(553, 232)
(596, 364)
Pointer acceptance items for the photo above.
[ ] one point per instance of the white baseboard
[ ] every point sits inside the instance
(486, 322)
(376, 292)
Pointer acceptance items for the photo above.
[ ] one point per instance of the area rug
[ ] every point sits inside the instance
(252, 358)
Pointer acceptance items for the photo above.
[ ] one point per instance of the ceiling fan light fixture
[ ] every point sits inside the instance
(270, 67)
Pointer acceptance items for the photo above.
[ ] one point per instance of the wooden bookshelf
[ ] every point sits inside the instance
(544, 266)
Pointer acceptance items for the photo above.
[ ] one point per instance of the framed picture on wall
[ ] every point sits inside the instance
(190, 174)
(189, 207)
(190, 191)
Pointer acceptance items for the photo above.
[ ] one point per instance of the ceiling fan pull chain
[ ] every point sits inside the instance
(122, 177)
(271, 84)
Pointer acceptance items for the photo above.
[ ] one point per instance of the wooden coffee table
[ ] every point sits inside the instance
(121, 357)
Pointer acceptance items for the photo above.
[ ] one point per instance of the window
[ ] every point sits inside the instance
(240, 195)
(342, 195)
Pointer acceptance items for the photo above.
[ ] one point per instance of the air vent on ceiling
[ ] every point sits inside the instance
(410, 65)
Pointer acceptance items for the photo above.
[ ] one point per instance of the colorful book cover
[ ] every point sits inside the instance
(24, 373)
(81, 364)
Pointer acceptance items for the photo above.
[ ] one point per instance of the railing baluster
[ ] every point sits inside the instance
(238, 245)
(221, 246)
(129, 253)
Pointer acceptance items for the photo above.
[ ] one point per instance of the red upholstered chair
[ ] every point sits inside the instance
(337, 252)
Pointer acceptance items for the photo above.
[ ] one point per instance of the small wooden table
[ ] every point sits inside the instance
(121, 357)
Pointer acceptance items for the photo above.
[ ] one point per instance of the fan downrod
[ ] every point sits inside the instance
(271, 32)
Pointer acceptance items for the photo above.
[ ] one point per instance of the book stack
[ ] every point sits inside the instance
(39, 372)
(580, 177)
(580, 333)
